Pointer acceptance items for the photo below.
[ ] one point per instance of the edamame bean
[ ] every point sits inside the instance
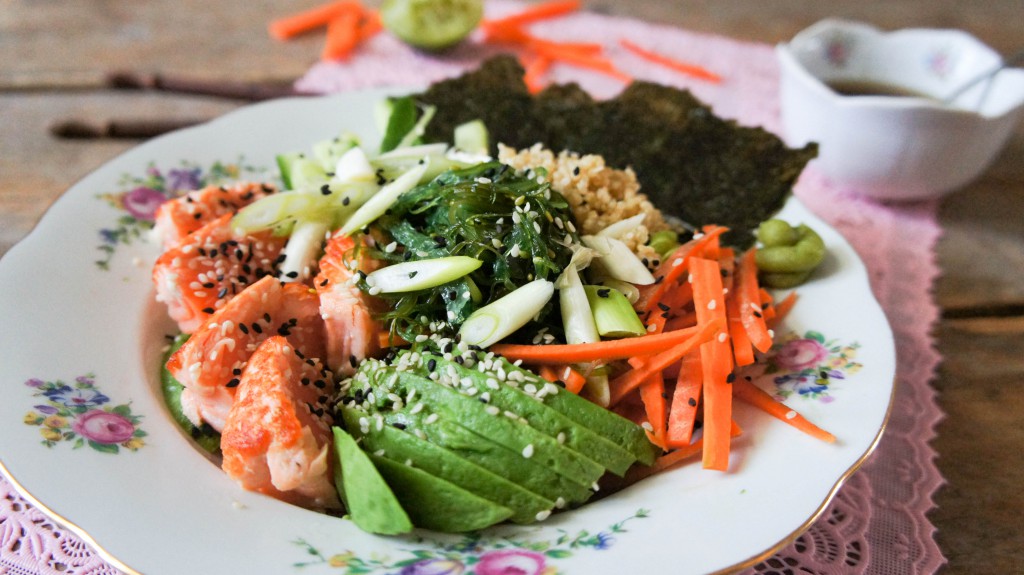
(664, 242)
(804, 255)
(773, 233)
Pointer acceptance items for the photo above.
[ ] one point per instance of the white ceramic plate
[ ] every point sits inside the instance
(83, 431)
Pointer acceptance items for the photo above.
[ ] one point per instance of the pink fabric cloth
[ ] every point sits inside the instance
(877, 523)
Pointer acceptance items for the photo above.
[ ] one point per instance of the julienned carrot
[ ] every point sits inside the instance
(602, 350)
(750, 393)
(688, 451)
(533, 13)
(748, 294)
(716, 361)
(370, 25)
(671, 268)
(630, 380)
(342, 36)
(685, 399)
(535, 69)
(652, 394)
(386, 339)
(307, 20)
(677, 65)
(783, 308)
(576, 58)
(682, 321)
(767, 305)
(572, 379)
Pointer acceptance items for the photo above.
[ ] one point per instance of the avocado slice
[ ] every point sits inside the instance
(511, 432)
(541, 416)
(375, 509)
(434, 503)
(397, 445)
(605, 423)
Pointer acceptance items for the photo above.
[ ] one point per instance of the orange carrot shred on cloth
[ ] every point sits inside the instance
(630, 380)
(668, 62)
(533, 13)
(685, 399)
(749, 296)
(584, 352)
(535, 70)
(370, 25)
(582, 60)
(288, 27)
(342, 36)
(750, 393)
(716, 362)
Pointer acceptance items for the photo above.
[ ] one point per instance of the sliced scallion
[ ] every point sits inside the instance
(501, 318)
(613, 314)
(382, 200)
(421, 274)
(617, 261)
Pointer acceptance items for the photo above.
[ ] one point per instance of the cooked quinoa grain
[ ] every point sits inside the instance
(598, 195)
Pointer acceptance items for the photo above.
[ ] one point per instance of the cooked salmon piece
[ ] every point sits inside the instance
(181, 216)
(210, 266)
(210, 364)
(277, 436)
(348, 313)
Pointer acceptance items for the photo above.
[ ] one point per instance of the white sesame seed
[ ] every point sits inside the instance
(528, 451)
(677, 262)
(390, 248)
(542, 515)
(416, 409)
(560, 503)
(712, 304)
(493, 410)
(561, 437)
(722, 337)
(431, 418)
(647, 425)
(790, 414)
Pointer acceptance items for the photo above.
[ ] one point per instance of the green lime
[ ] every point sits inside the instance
(431, 24)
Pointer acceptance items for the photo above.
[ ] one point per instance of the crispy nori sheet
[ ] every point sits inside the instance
(693, 164)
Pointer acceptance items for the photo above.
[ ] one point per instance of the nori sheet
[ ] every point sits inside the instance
(694, 165)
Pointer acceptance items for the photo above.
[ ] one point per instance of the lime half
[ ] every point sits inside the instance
(431, 24)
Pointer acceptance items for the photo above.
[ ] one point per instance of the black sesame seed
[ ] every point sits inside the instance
(234, 382)
(345, 201)
(222, 292)
(757, 314)
(244, 329)
(397, 425)
(353, 361)
(266, 317)
(324, 282)
(431, 364)
(730, 378)
(292, 275)
(604, 292)
(236, 371)
(304, 381)
(325, 190)
(256, 328)
(208, 310)
(413, 274)
(576, 171)
(663, 306)
(319, 384)
(692, 402)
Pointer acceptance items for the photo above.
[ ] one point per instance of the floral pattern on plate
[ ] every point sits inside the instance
(80, 414)
(807, 365)
(139, 196)
(475, 554)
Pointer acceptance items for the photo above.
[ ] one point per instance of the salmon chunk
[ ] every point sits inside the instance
(348, 313)
(210, 364)
(276, 440)
(179, 217)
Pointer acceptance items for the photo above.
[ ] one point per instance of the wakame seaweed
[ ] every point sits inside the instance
(513, 222)
(694, 165)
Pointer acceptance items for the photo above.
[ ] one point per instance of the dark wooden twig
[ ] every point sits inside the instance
(248, 91)
(118, 129)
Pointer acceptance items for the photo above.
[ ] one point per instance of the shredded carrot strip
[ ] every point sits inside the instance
(370, 26)
(783, 308)
(669, 271)
(583, 60)
(652, 394)
(677, 65)
(308, 20)
(533, 13)
(342, 36)
(627, 382)
(535, 69)
(716, 362)
(760, 399)
(584, 352)
(748, 293)
(573, 380)
(685, 400)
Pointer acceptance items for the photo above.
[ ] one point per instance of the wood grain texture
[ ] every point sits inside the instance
(55, 56)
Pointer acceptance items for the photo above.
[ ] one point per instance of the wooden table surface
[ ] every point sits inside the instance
(54, 57)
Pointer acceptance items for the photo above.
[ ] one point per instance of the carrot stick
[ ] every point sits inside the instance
(582, 60)
(743, 351)
(783, 308)
(533, 13)
(370, 25)
(627, 382)
(652, 394)
(677, 65)
(342, 36)
(749, 296)
(716, 362)
(688, 451)
(602, 350)
(669, 271)
(685, 399)
(750, 393)
(573, 380)
(535, 71)
(307, 20)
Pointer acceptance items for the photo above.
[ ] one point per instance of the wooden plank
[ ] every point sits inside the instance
(35, 167)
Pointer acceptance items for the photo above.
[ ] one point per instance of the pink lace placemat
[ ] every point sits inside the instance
(877, 523)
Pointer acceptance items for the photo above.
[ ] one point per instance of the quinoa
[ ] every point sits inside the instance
(597, 194)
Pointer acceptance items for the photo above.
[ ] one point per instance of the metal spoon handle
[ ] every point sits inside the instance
(1014, 59)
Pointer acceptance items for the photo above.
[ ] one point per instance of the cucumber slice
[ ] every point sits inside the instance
(431, 24)
(472, 137)
(284, 165)
(306, 173)
(328, 152)
(421, 274)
